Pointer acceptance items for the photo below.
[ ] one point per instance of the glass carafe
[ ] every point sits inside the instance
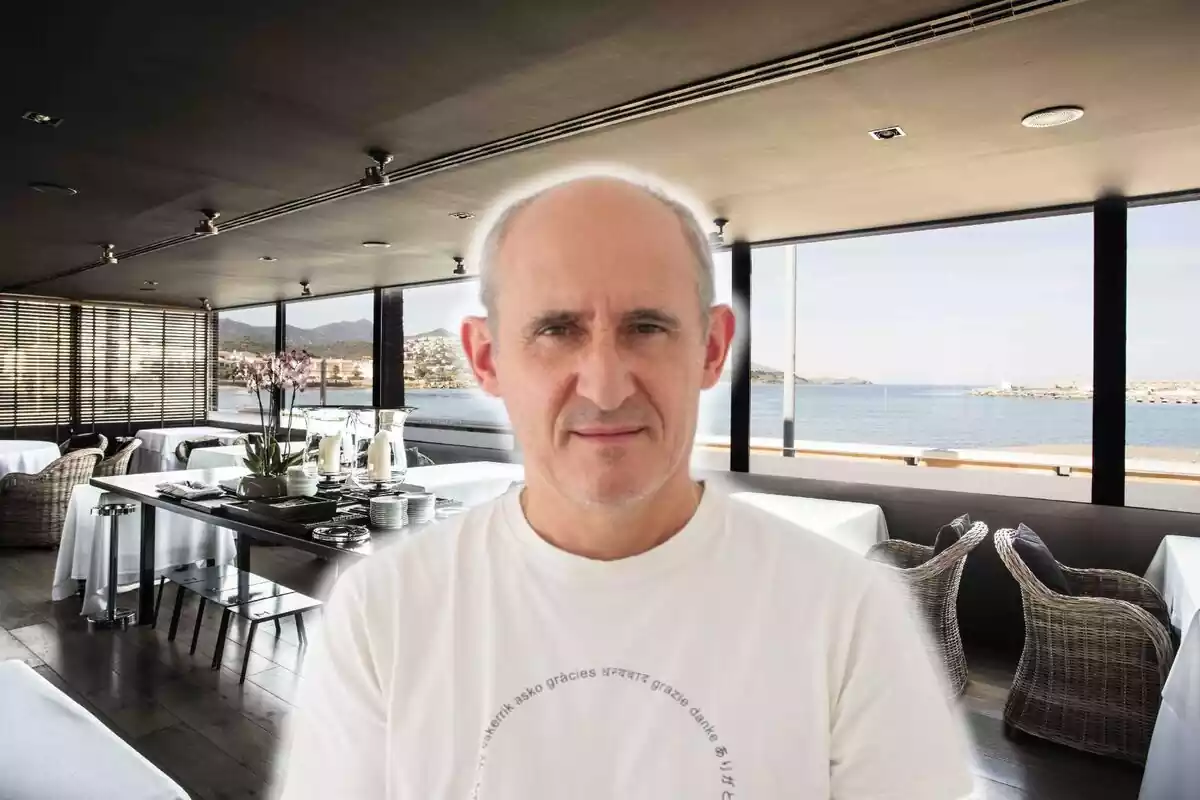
(391, 422)
(331, 445)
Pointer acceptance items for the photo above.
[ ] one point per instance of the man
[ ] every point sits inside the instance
(615, 629)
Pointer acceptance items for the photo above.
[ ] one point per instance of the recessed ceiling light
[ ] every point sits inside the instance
(1051, 117)
(150, 283)
(462, 215)
(267, 258)
(45, 187)
(376, 244)
(883, 134)
(42, 119)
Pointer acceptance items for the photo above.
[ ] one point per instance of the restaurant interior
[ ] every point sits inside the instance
(237, 257)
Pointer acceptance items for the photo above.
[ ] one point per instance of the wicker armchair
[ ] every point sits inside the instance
(1094, 663)
(933, 582)
(91, 440)
(118, 462)
(33, 507)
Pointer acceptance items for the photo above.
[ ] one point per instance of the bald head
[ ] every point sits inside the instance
(559, 216)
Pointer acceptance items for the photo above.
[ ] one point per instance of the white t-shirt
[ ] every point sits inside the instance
(742, 658)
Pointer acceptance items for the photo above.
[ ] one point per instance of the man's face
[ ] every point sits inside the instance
(597, 343)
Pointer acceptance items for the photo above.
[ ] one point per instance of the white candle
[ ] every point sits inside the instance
(379, 457)
(329, 455)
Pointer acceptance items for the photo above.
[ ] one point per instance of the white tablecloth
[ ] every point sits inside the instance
(856, 526)
(83, 550)
(1173, 764)
(471, 482)
(51, 747)
(232, 455)
(157, 453)
(18, 455)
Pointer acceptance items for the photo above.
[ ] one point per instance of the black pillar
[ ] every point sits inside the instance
(280, 345)
(739, 390)
(389, 347)
(1109, 281)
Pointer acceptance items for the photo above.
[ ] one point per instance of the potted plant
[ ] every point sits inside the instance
(267, 461)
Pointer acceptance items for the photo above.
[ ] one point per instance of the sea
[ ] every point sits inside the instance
(921, 416)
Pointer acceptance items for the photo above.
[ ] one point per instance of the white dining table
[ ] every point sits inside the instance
(469, 482)
(50, 746)
(23, 455)
(855, 526)
(84, 547)
(230, 455)
(157, 453)
(1173, 763)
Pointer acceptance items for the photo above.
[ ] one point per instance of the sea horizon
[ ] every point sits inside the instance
(924, 415)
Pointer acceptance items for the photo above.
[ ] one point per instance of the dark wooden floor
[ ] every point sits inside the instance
(220, 740)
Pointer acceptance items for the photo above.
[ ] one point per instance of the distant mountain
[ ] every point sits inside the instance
(360, 330)
(436, 333)
(761, 373)
(332, 340)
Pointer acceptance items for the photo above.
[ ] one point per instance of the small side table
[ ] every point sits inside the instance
(112, 617)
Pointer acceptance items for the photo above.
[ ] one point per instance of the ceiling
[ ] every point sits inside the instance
(249, 107)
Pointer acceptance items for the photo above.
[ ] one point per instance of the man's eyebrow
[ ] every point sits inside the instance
(549, 318)
(655, 315)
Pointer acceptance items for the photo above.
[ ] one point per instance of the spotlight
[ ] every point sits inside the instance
(717, 239)
(375, 175)
(267, 258)
(462, 215)
(38, 118)
(207, 306)
(459, 269)
(107, 254)
(208, 225)
(304, 290)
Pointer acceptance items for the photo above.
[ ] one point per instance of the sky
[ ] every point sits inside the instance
(977, 305)
(981, 305)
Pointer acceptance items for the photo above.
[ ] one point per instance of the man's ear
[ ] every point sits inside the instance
(721, 326)
(480, 349)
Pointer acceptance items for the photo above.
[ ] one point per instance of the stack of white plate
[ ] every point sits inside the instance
(421, 507)
(388, 512)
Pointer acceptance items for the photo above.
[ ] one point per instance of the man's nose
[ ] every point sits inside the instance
(604, 376)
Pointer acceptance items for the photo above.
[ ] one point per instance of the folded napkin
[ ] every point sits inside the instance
(189, 490)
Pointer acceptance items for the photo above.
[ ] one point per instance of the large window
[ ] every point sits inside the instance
(966, 347)
(142, 365)
(35, 365)
(437, 379)
(1162, 414)
(712, 427)
(108, 368)
(340, 334)
(243, 334)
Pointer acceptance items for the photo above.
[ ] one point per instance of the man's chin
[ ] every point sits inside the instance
(616, 488)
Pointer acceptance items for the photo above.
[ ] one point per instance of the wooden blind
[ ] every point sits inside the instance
(35, 355)
(141, 365)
